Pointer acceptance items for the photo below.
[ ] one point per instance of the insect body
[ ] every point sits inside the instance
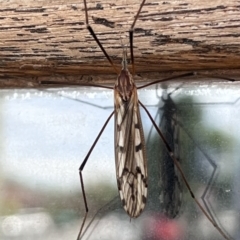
(130, 154)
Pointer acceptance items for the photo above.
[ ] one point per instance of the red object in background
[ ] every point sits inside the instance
(167, 229)
(159, 227)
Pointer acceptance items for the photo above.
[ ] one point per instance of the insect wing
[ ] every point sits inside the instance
(130, 154)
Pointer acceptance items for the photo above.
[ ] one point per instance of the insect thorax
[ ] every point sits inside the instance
(124, 84)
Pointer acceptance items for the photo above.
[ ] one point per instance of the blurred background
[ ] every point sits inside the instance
(46, 134)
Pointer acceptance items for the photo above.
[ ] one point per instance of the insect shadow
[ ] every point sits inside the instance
(197, 154)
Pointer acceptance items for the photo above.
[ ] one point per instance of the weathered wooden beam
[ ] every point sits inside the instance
(48, 39)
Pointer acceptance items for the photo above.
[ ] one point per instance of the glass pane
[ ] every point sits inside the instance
(46, 134)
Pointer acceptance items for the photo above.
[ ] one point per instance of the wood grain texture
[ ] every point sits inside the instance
(43, 40)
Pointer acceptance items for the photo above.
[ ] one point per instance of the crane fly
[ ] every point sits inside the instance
(130, 150)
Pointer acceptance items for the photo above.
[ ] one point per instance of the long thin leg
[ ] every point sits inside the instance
(182, 174)
(105, 208)
(214, 166)
(67, 84)
(167, 79)
(81, 176)
(185, 75)
(89, 28)
(131, 36)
